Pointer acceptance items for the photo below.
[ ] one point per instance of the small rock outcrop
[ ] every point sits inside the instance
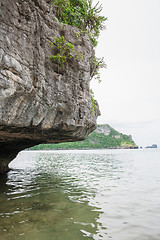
(153, 146)
(40, 102)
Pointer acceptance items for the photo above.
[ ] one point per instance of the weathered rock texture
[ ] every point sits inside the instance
(39, 101)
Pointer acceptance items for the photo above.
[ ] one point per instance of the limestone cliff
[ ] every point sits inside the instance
(40, 102)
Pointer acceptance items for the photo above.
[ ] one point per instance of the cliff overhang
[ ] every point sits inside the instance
(40, 102)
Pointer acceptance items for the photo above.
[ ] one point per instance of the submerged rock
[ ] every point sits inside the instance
(40, 102)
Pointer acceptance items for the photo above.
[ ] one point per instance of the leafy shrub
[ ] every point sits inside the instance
(65, 51)
(81, 14)
(93, 101)
(98, 64)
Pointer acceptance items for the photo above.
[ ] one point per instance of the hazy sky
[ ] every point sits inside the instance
(129, 94)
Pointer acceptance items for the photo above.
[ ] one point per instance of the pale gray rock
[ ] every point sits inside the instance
(39, 101)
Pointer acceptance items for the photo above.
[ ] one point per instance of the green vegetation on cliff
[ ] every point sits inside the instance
(87, 18)
(81, 14)
(103, 137)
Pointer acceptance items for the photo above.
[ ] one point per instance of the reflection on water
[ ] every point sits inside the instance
(65, 195)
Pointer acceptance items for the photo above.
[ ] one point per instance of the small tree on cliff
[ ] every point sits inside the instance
(81, 14)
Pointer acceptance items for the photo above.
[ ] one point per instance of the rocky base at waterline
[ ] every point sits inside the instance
(40, 101)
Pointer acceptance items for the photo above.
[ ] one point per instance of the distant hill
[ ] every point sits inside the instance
(103, 137)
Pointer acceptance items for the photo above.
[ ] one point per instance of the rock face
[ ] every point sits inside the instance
(40, 102)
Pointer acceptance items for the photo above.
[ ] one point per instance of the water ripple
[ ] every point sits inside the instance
(82, 195)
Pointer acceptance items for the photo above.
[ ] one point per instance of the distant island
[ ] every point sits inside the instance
(103, 137)
(153, 146)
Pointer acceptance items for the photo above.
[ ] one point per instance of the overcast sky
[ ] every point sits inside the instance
(129, 94)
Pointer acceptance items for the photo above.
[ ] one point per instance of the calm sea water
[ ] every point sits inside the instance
(76, 195)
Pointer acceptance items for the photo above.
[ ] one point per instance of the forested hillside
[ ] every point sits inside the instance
(103, 137)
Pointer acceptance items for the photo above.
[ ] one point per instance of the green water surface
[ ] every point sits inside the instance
(74, 195)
